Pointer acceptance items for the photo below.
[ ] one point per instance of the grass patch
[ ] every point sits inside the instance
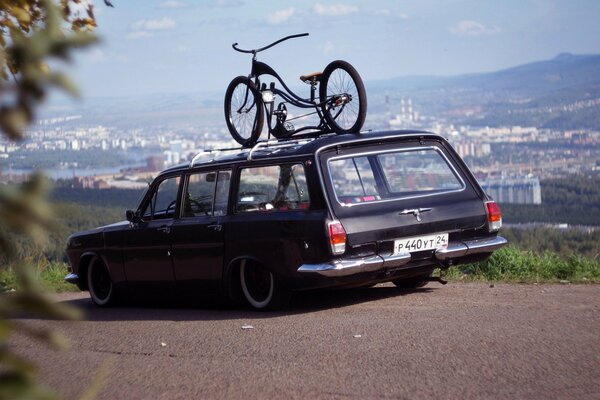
(51, 276)
(513, 265)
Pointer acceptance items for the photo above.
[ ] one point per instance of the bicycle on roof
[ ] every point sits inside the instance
(341, 106)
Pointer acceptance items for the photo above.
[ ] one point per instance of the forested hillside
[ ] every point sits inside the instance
(573, 200)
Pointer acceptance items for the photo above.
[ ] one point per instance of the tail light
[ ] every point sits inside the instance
(494, 216)
(337, 237)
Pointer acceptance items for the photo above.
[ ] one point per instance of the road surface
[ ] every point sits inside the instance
(459, 341)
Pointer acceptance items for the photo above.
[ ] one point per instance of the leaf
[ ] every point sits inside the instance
(13, 121)
(22, 17)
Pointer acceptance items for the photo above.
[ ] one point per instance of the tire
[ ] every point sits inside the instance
(412, 283)
(341, 78)
(260, 287)
(243, 111)
(100, 285)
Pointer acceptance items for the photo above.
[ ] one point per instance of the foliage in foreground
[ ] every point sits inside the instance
(513, 265)
(33, 34)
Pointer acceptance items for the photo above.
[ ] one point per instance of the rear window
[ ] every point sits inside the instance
(392, 175)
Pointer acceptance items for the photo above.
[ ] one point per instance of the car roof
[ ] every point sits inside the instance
(296, 146)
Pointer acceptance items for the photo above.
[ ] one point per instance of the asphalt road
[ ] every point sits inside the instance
(457, 341)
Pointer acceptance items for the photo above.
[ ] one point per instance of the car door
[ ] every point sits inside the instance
(147, 243)
(198, 235)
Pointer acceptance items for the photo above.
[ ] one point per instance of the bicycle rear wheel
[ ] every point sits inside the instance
(243, 111)
(344, 98)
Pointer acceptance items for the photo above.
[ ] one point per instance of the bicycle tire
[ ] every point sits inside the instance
(340, 78)
(244, 123)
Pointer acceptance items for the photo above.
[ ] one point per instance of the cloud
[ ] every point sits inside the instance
(468, 28)
(181, 49)
(280, 16)
(327, 47)
(154, 24)
(138, 35)
(334, 10)
(173, 4)
(96, 56)
(226, 3)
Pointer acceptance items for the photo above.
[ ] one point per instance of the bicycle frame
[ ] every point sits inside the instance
(259, 69)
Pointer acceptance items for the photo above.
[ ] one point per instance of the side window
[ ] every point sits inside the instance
(206, 194)
(353, 180)
(163, 201)
(273, 188)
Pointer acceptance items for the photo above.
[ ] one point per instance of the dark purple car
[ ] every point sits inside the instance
(257, 224)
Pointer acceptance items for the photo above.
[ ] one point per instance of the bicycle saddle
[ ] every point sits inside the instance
(310, 78)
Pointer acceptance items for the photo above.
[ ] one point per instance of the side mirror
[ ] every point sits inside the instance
(132, 216)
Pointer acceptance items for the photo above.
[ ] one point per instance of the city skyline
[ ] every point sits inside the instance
(171, 46)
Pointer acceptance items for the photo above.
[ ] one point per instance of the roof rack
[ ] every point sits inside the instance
(210, 152)
(262, 146)
(275, 145)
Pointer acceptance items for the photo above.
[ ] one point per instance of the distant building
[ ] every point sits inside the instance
(519, 190)
(155, 163)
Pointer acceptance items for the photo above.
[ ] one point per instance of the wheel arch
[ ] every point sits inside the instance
(232, 285)
(85, 261)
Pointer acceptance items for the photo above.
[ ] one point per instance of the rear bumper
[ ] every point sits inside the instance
(339, 268)
(347, 267)
(471, 247)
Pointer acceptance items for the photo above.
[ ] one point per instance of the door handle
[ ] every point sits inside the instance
(164, 229)
(416, 212)
(215, 227)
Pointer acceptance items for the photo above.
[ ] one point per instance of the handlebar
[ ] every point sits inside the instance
(269, 46)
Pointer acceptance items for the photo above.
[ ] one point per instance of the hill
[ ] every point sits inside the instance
(562, 93)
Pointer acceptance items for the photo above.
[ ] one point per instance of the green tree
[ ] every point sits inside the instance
(32, 32)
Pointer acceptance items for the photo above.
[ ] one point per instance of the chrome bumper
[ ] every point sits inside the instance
(72, 278)
(353, 266)
(340, 268)
(471, 247)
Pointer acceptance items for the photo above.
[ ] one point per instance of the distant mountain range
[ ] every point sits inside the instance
(562, 93)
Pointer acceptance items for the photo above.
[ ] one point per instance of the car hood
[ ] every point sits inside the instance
(95, 231)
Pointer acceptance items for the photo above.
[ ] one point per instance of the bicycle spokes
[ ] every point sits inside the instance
(341, 90)
(245, 109)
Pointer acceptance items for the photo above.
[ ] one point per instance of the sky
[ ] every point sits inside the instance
(184, 46)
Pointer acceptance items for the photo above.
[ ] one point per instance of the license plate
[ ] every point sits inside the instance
(421, 243)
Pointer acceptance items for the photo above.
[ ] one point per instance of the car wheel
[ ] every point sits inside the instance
(100, 285)
(261, 288)
(412, 283)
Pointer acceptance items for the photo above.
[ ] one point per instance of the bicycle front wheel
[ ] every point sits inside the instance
(243, 111)
(343, 97)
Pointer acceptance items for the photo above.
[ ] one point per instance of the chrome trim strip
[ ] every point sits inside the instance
(339, 268)
(395, 261)
(471, 247)
(72, 278)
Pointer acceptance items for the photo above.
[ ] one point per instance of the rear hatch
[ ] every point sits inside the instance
(409, 194)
